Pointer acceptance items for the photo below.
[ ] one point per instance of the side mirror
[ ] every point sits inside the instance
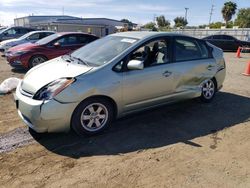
(5, 34)
(57, 45)
(135, 65)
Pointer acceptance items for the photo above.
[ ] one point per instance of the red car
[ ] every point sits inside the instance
(31, 54)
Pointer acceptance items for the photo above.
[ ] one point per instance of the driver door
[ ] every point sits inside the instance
(62, 46)
(153, 84)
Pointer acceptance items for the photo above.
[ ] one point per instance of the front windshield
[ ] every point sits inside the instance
(3, 30)
(103, 50)
(48, 39)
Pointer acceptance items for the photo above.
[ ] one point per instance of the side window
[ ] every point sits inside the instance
(225, 37)
(34, 36)
(22, 31)
(83, 39)
(67, 40)
(189, 49)
(72, 40)
(11, 32)
(204, 50)
(46, 34)
(42, 35)
(153, 53)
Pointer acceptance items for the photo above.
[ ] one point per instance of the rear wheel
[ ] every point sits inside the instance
(92, 116)
(37, 60)
(208, 91)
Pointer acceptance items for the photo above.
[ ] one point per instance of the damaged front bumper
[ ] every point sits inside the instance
(44, 116)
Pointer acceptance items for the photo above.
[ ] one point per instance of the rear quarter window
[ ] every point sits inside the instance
(190, 49)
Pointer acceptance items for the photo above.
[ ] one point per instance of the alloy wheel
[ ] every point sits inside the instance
(37, 60)
(94, 117)
(208, 89)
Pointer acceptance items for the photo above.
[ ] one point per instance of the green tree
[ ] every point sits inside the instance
(162, 22)
(129, 23)
(180, 22)
(243, 18)
(228, 10)
(216, 25)
(202, 26)
(151, 26)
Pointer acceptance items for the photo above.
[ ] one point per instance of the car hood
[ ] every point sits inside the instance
(8, 41)
(15, 42)
(45, 73)
(23, 47)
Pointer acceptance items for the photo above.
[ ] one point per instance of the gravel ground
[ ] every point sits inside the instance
(189, 144)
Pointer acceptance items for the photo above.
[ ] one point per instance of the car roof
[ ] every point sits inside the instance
(70, 33)
(146, 34)
(42, 32)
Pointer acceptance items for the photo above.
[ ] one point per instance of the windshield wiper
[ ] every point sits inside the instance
(80, 60)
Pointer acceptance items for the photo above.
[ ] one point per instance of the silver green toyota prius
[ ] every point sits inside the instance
(117, 75)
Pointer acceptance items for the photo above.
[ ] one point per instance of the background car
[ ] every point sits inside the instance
(32, 37)
(32, 54)
(118, 75)
(14, 32)
(226, 42)
(2, 28)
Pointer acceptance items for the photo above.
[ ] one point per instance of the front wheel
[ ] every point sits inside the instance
(92, 116)
(208, 91)
(36, 60)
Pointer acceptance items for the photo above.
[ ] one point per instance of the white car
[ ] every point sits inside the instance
(32, 37)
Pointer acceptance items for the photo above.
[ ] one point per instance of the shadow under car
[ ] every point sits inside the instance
(180, 122)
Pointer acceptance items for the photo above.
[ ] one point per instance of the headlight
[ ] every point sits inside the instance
(52, 89)
(20, 52)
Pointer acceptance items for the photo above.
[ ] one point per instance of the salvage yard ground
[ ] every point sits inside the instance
(189, 144)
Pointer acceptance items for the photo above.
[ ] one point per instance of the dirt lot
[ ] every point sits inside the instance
(188, 144)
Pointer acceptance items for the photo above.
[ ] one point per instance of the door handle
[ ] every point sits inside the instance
(167, 73)
(210, 67)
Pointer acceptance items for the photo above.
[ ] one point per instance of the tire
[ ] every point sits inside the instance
(36, 60)
(92, 116)
(208, 91)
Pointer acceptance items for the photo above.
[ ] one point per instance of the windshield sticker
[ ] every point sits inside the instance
(128, 40)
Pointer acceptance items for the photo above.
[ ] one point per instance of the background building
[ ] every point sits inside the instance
(98, 26)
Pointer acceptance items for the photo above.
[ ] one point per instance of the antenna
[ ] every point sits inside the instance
(211, 13)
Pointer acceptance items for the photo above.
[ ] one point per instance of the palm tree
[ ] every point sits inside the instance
(228, 10)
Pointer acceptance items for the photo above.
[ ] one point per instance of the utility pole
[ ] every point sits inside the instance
(211, 13)
(186, 10)
(154, 18)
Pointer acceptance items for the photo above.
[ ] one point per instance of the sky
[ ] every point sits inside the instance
(140, 11)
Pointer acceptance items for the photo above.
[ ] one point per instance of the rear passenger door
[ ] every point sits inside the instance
(193, 64)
